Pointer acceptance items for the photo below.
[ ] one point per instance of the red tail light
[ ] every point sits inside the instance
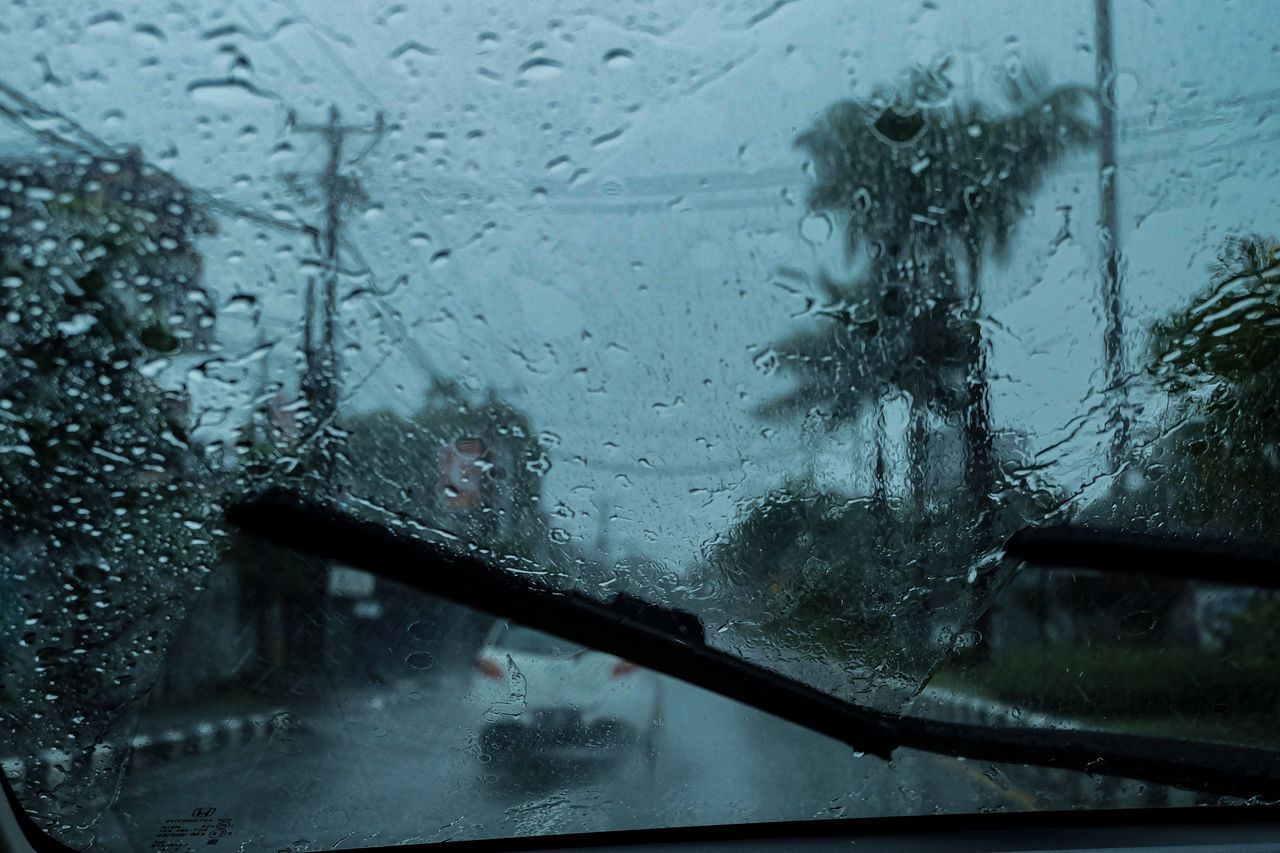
(489, 669)
(623, 667)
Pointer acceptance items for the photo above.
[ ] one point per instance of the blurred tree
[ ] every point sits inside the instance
(1211, 467)
(929, 186)
(1219, 359)
(99, 277)
(404, 466)
(822, 576)
(472, 467)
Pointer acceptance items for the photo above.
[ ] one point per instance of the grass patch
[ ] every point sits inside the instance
(1173, 692)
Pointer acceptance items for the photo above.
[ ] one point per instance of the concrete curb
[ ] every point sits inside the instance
(940, 704)
(201, 737)
(49, 768)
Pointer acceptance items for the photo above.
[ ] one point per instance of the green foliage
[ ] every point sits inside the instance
(812, 572)
(928, 185)
(1231, 331)
(960, 176)
(90, 444)
(104, 533)
(865, 344)
(1254, 633)
(882, 585)
(853, 580)
(1220, 360)
(1104, 681)
(397, 463)
(939, 180)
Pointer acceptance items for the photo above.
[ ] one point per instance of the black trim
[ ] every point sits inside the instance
(1119, 552)
(40, 841)
(646, 637)
(941, 826)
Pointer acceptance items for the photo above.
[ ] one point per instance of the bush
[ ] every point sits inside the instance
(1104, 681)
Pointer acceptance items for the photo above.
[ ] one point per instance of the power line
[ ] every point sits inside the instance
(1137, 129)
(336, 60)
(93, 146)
(637, 194)
(647, 206)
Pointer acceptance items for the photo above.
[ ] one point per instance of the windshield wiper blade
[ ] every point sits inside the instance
(1120, 552)
(672, 642)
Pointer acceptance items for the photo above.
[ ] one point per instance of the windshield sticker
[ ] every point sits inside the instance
(200, 829)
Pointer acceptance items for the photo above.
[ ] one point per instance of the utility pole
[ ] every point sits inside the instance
(1109, 222)
(316, 641)
(322, 381)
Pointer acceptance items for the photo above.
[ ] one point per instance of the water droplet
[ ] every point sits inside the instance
(229, 93)
(816, 228)
(766, 362)
(79, 324)
(414, 47)
(606, 138)
(105, 21)
(1139, 622)
(150, 31)
(540, 68)
(619, 57)
(420, 660)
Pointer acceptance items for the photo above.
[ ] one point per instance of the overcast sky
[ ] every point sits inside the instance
(593, 209)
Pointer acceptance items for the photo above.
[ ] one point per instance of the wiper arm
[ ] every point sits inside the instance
(1119, 552)
(672, 642)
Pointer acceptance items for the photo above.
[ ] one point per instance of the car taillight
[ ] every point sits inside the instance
(489, 669)
(623, 667)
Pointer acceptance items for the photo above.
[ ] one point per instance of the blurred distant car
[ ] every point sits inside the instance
(545, 698)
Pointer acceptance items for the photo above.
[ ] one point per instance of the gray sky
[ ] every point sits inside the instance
(587, 207)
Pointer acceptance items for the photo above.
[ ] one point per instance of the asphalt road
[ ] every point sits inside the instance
(368, 773)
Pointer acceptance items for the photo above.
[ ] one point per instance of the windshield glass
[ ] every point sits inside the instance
(786, 315)
(531, 642)
(429, 723)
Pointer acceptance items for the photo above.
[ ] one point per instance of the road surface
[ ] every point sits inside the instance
(385, 767)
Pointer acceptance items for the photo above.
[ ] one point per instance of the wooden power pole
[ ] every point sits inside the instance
(322, 381)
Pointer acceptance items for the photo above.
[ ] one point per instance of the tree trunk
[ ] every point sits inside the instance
(979, 451)
(918, 455)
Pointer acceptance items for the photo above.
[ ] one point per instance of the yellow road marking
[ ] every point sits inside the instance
(1013, 793)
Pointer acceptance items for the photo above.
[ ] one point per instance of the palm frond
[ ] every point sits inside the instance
(962, 177)
(1231, 331)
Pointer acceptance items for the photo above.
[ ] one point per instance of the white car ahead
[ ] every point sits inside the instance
(548, 699)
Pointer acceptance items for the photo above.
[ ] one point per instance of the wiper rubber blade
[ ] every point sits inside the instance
(1119, 552)
(672, 642)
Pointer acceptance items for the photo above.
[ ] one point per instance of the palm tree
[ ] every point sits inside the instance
(928, 186)
(1220, 360)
